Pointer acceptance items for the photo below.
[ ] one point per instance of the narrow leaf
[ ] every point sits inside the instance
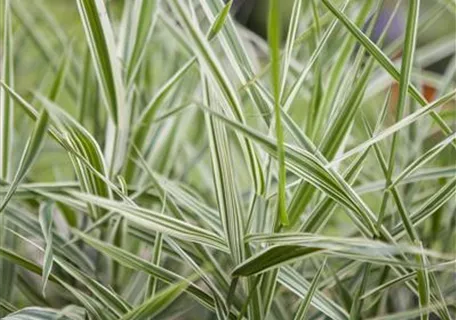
(274, 37)
(304, 305)
(46, 217)
(30, 153)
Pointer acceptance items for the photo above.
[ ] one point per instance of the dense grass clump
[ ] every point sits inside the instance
(160, 161)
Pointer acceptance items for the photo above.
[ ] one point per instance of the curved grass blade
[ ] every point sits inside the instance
(92, 161)
(324, 209)
(304, 305)
(31, 151)
(93, 307)
(423, 159)
(342, 244)
(425, 174)
(100, 37)
(273, 257)
(156, 304)
(7, 307)
(24, 263)
(45, 218)
(296, 283)
(84, 144)
(145, 14)
(156, 222)
(59, 80)
(219, 21)
(440, 198)
(279, 255)
(101, 42)
(31, 112)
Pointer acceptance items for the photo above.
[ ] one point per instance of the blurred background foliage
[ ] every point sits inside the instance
(58, 16)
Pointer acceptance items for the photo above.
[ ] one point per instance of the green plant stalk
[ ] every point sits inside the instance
(274, 35)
